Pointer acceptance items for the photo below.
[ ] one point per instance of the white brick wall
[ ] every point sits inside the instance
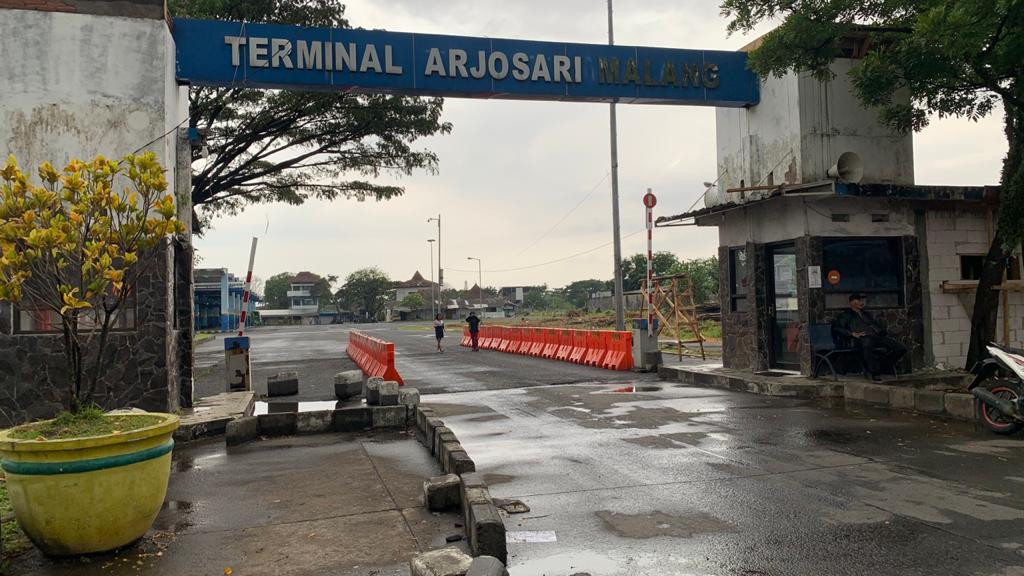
(950, 235)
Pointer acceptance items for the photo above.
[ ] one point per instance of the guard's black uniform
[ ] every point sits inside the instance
(880, 352)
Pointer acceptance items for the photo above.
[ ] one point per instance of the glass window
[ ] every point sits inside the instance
(738, 279)
(873, 266)
(971, 266)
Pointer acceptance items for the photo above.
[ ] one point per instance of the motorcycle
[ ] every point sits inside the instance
(999, 387)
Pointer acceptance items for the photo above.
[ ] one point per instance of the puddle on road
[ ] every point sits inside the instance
(271, 407)
(655, 524)
(831, 436)
(632, 390)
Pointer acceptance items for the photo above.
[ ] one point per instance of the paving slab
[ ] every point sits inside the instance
(340, 504)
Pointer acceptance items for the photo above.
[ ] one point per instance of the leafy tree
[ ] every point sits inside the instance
(74, 249)
(534, 299)
(290, 146)
(276, 290)
(323, 293)
(556, 301)
(413, 301)
(579, 291)
(634, 268)
(365, 291)
(954, 58)
(704, 273)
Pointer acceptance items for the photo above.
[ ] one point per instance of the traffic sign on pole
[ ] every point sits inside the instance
(650, 201)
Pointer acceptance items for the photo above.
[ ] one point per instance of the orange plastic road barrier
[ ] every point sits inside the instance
(620, 351)
(603, 348)
(505, 338)
(579, 346)
(550, 343)
(374, 357)
(564, 345)
(516, 340)
(596, 348)
(537, 348)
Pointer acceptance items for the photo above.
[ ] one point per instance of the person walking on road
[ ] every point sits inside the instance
(474, 329)
(439, 331)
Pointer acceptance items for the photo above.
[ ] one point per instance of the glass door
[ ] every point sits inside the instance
(783, 309)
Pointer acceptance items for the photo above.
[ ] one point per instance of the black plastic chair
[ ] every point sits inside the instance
(824, 349)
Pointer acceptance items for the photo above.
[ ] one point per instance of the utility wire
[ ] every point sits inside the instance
(567, 214)
(548, 263)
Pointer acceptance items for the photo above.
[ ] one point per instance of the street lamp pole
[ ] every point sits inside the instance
(433, 299)
(620, 318)
(440, 270)
(479, 278)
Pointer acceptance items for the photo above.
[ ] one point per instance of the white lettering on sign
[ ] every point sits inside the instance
(370, 60)
(434, 64)
(367, 58)
(540, 69)
(389, 61)
(258, 52)
(280, 53)
(235, 42)
(521, 63)
(309, 55)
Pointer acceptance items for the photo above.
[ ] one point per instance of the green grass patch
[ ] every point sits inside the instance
(12, 540)
(200, 338)
(88, 422)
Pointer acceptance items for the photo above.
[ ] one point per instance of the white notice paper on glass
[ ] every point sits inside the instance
(814, 276)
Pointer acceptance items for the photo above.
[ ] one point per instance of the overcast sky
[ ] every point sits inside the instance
(510, 171)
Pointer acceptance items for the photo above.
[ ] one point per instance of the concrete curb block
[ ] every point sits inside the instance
(283, 384)
(484, 527)
(242, 430)
(486, 566)
(443, 562)
(955, 405)
(353, 419)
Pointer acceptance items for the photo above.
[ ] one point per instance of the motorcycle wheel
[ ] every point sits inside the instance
(992, 418)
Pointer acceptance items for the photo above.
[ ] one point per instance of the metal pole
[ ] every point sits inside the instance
(650, 268)
(480, 279)
(433, 300)
(440, 270)
(248, 286)
(620, 319)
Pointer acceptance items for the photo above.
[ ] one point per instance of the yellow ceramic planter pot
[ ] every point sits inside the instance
(90, 494)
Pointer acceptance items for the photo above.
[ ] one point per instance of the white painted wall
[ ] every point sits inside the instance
(833, 121)
(952, 233)
(753, 141)
(799, 130)
(77, 85)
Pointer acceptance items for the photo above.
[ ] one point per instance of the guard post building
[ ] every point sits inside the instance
(816, 200)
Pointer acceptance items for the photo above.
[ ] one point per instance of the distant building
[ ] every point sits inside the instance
(416, 285)
(218, 300)
(303, 305)
(515, 294)
(603, 301)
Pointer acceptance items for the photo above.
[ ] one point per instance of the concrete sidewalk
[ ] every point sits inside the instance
(334, 504)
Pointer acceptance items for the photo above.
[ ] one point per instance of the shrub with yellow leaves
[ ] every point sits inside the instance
(76, 245)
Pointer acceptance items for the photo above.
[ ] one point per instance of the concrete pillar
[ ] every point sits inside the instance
(225, 302)
(81, 79)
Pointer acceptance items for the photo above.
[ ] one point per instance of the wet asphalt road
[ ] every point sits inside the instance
(663, 479)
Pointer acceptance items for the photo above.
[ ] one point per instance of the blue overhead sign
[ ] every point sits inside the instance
(217, 53)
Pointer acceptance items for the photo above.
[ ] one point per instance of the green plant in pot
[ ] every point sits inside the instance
(72, 250)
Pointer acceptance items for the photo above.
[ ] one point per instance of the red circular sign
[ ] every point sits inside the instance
(649, 200)
(834, 277)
